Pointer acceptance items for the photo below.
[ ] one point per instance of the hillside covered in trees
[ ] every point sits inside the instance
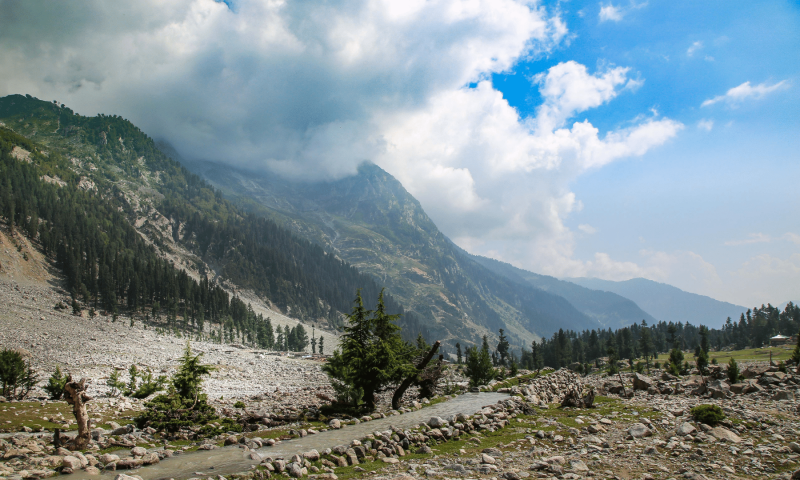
(132, 229)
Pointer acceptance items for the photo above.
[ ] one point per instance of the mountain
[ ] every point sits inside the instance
(150, 229)
(667, 303)
(373, 223)
(609, 309)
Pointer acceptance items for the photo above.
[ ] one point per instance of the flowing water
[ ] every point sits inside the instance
(227, 460)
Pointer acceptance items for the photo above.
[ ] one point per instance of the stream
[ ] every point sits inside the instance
(233, 459)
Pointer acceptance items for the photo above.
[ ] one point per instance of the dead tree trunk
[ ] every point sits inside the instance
(398, 394)
(75, 395)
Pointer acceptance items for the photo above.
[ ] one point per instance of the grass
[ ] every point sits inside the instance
(15, 415)
(780, 353)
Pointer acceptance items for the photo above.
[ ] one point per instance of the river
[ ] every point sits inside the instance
(228, 460)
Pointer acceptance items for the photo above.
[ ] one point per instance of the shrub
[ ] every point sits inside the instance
(708, 414)
(782, 367)
(16, 376)
(239, 404)
(733, 371)
(115, 383)
(639, 367)
(657, 365)
(55, 385)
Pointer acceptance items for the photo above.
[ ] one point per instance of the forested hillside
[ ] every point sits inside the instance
(371, 221)
(132, 228)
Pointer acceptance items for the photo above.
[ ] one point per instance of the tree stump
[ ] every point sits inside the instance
(75, 395)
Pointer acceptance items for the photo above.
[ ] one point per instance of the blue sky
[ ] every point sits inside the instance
(728, 181)
(634, 139)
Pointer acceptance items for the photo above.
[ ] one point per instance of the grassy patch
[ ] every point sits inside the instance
(511, 382)
(15, 415)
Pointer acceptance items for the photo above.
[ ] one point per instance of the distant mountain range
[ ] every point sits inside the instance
(667, 303)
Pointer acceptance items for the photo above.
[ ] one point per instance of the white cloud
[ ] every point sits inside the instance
(705, 124)
(585, 228)
(610, 13)
(312, 89)
(751, 239)
(745, 91)
(693, 48)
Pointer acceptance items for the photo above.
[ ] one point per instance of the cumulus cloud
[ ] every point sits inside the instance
(610, 12)
(693, 48)
(705, 124)
(764, 238)
(585, 228)
(312, 89)
(745, 91)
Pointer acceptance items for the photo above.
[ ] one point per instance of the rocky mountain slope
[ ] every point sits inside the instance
(609, 309)
(373, 223)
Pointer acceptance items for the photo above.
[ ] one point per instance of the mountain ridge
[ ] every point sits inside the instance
(666, 302)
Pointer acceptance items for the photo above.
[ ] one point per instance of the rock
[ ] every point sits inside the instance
(122, 476)
(231, 440)
(311, 456)
(795, 447)
(138, 451)
(150, 458)
(493, 452)
(424, 450)
(279, 465)
(639, 430)
(71, 462)
(487, 459)
(641, 382)
(578, 466)
(129, 463)
(437, 422)
(294, 470)
(92, 471)
(390, 460)
(721, 433)
(684, 429)
(335, 423)
(783, 395)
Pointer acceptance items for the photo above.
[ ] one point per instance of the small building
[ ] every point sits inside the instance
(779, 340)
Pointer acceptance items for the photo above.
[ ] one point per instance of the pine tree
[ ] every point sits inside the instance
(502, 349)
(479, 367)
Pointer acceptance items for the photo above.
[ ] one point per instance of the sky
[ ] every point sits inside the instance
(570, 138)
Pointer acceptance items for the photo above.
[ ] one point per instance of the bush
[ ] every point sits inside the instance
(708, 414)
(115, 383)
(16, 376)
(639, 367)
(657, 365)
(733, 371)
(782, 367)
(55, 385)
(239, 404)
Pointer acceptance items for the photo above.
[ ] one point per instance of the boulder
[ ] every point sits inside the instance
(641, 382)
(335, 423)
(783, 395)
(721, 433)
(437, 422)
(72, 462)
(294, 470)
(487, 459)
(130, 463)
(684, 429)
(138, 451)
(311, 456)
(639, 430)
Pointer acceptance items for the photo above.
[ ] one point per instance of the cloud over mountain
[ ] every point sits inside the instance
(311, 89)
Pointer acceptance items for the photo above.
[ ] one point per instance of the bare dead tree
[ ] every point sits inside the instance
(75, 395)
(401, 390)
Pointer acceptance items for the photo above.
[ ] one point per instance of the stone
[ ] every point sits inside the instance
(639, 430)
(424, 450)
(578, 466)
(783, 395)
(130, 463)
(92, 471)
(641, 382)
(795, 447)
(487, 459)
(231, 440)
(122, 476)
(294, 470)
(138, 451)
(335, 423)
(150, 458)
(311, 455)
(721, 433)
(493, 452)
(280, 466)
(72, 462)
(684, 429)
(437, 422)
(390, 460)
